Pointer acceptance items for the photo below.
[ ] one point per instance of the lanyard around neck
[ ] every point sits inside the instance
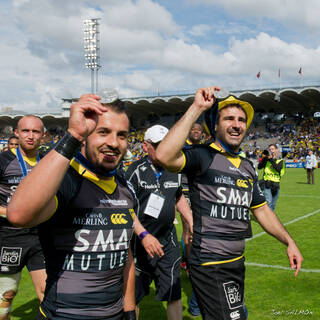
(22, 163)
(228, 149)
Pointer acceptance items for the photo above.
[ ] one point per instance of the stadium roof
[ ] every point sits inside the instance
(289, 101)
(305, 100)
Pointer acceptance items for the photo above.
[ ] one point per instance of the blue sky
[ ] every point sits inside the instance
(150, 47)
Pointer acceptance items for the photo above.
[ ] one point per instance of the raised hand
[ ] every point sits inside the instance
(84, 116)
(204, 98)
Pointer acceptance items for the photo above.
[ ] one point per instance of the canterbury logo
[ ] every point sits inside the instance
(118, 218)
(242, 183)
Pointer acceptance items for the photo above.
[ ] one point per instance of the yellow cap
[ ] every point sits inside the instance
(247, 107)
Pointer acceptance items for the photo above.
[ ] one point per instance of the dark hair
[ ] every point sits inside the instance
(273, 144)
(12, 137)
(118, 106)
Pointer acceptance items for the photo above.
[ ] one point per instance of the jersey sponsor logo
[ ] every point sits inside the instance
(114, 202)
(91, 219)
(10, 256)
(233, 197)
(233, 295)
(224, 180)
(229, 213)
(235, 315)
(15, 180)
(98, 250)
(93, 262)
(145, 185)
(118, 218)
(170, 184)
(242, 183)
(101, 240)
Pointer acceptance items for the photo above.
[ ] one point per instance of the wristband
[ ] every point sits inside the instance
(143, 234)
(130, 315)
(68, 146)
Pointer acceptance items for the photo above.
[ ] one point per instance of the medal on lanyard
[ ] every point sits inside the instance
(22, 163)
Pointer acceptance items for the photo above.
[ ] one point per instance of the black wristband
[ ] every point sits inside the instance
(130, 315)
(68, 146)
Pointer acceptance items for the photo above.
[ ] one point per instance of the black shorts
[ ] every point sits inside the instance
(164, 271)
(220, 290)
(118, 316)
(19, 248)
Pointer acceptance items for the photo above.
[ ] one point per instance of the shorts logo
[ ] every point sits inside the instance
(118, 218)
(233, 295)
(235, 315)
(10, 256)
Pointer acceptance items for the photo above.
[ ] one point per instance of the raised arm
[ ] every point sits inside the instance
(168, 152)
(272, 225)
(33, 202)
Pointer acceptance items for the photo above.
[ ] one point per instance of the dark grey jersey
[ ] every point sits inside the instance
(86, 245)
(222, 191)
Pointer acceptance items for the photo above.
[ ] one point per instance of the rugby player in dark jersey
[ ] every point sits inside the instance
(223, 188)
(159, 193)
(19, 247)
(85, 213)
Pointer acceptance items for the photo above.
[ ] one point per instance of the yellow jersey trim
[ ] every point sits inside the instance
(258, 205)
(221, 262)
(32, 161)
(42, 312)
(108, 185)
(235, 160)
(184, 162)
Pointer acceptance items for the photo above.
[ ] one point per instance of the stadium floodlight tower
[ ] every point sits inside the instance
(92, 50)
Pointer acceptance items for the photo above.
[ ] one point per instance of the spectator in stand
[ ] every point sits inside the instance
(13, 142)
(310, 165)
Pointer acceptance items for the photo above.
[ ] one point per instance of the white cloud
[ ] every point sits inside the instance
(200, 30)
(296, 12)
(143, 48)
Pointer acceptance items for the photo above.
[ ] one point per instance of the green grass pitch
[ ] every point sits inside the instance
(272, 291)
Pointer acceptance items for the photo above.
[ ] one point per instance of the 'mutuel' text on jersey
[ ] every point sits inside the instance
(86, 245)
(222, 191)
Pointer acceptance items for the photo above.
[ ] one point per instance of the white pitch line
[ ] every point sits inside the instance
(253, 264)
(285, 224)
(299, 196)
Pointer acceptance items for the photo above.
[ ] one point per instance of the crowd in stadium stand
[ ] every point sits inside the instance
(295, 138)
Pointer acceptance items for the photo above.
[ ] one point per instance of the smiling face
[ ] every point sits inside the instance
(107, 145)
(195, 134)
(231, 127)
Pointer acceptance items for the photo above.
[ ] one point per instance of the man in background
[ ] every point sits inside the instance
(19, 247)
(274, 169)
(156, 247)
(310, 165)
(13, 142)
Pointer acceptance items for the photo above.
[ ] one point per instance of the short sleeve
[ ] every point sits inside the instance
(258, 198)
(197, 160)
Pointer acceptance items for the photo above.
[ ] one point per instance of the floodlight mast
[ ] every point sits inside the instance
(92, 50)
